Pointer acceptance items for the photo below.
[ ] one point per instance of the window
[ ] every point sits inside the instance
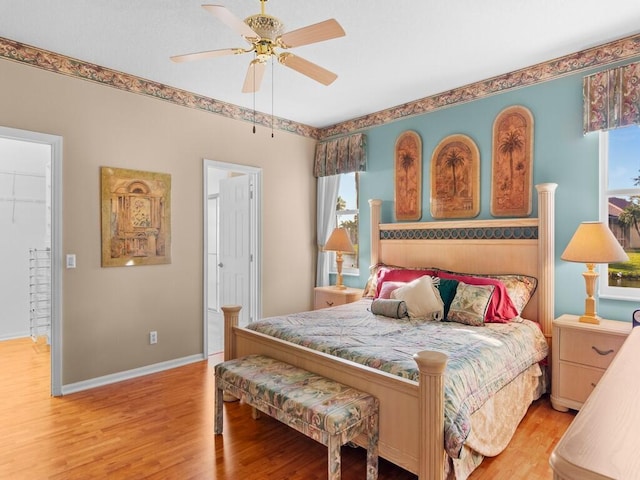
(347, 217)
(620, 194)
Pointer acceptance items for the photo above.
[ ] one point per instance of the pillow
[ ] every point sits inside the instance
(519, 287)
(371, 286)
(422, 299)
(470, 304)
(388, 287)
(389, 308)
(501, 308)
(406, 275)
(372, 281)
(447, 289)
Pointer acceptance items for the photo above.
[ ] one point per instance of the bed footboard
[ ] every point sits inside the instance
(411, 416)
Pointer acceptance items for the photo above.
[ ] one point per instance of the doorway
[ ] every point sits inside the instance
(232, 246)
(30, 189)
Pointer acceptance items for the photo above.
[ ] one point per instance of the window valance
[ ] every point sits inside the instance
(612, 98)
(342, 155)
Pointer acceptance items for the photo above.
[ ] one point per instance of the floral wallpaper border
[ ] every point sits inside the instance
(615, 51)
(72, 67)
(594, 57)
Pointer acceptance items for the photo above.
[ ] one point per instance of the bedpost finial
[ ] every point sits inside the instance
(431, 362)
(546, 187)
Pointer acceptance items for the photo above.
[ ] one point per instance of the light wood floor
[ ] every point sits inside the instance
(161, 427)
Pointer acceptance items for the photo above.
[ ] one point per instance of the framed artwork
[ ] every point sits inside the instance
(512, 163)
(455, 178)
(408, 176)
(136, 217)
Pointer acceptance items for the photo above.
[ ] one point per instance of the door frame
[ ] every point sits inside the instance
(55, 142)
(255, 242)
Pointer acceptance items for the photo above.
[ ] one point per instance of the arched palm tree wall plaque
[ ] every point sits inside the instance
(455, 178)
(512, 163)
(408, 176)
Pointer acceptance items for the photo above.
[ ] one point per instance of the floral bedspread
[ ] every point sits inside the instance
(481, 359)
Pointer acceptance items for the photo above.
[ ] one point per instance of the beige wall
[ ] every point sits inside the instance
(108, 312)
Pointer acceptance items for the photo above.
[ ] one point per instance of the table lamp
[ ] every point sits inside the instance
(339, 242)
(593, 243)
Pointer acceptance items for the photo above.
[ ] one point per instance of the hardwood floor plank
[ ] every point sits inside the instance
(161, 427)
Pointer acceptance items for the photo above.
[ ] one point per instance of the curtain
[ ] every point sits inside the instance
(326, 222)
(612, 98)
(341, 155)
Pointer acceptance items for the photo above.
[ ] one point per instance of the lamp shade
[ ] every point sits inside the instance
(339, 241)
(593, 242)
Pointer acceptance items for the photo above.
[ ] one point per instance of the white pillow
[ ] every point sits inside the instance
(422, 299)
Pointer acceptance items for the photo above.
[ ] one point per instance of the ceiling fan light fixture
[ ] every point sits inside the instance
(265, 26)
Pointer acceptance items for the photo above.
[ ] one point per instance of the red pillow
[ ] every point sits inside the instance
(501, 309)
(400, 275)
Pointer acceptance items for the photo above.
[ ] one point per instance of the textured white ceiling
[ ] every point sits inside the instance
(394, 51)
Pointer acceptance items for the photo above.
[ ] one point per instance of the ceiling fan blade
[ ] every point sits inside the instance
(307, 68)
(318, 32)
(208, 54)
(230, 20)
(253, 79)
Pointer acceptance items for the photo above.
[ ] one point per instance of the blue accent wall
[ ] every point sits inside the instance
(562, 155)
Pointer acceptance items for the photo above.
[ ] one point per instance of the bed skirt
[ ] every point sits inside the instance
(493, 426)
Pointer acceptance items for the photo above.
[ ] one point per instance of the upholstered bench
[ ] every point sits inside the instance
(322, 409)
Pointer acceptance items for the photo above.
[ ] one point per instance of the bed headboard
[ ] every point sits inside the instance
(498, 246)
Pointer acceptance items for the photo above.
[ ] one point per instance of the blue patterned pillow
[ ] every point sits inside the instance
(469, 306)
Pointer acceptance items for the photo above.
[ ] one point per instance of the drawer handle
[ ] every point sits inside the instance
(602, 352)
(331, 304)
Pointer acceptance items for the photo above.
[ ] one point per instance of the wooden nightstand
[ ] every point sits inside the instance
(581, 352)
(331, 296)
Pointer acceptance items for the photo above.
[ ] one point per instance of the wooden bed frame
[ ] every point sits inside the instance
(412, 413)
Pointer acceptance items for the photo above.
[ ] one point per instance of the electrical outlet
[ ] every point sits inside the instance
(153, 337)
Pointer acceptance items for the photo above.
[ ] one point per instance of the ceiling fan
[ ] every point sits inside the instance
(265, 36)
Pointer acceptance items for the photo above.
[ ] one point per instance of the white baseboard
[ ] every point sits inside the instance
(129, 374)
(14, 336)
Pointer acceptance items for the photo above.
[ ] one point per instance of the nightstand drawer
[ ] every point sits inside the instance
(576, 382)
(329, 299)
(589, 347)
(325, 297)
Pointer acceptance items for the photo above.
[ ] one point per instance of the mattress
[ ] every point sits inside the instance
(481, 360)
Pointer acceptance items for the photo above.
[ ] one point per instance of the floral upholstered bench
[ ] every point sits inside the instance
(322, 409)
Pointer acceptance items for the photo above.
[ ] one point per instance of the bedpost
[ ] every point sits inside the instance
(431, 366)
(546, 256)
(374, 218)
(231, 315)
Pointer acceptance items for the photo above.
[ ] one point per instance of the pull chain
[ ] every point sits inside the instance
(254, 96)
(272, 69)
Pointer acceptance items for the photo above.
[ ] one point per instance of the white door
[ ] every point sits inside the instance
(212, 287)
(234, 266)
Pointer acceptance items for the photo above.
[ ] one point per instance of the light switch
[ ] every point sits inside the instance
(71, 260)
